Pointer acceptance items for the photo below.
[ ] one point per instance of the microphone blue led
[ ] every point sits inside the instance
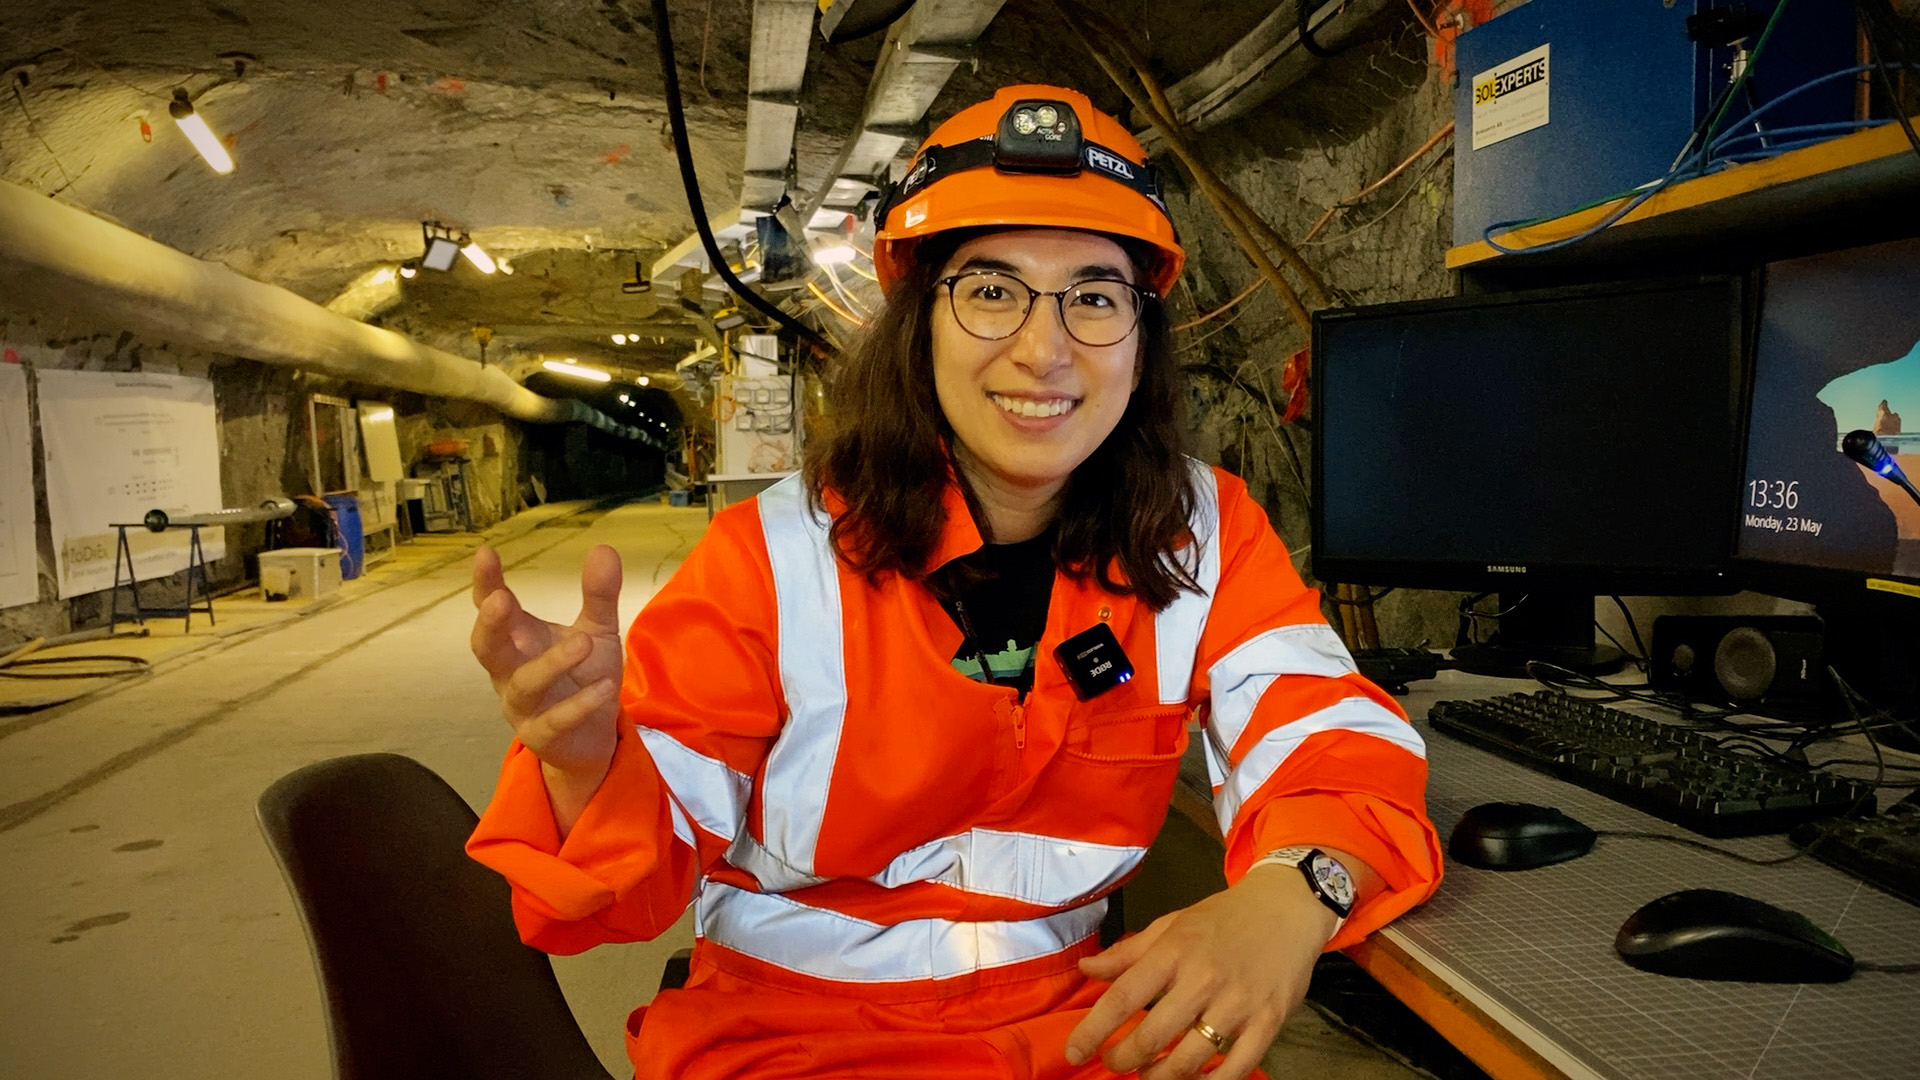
(1864, 447)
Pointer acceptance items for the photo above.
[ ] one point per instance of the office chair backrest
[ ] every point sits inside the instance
(423, 973)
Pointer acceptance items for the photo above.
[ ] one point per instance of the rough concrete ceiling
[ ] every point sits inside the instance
(537, 124)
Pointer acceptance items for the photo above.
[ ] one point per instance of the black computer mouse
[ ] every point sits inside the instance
(1517, 836)
(1709, 934)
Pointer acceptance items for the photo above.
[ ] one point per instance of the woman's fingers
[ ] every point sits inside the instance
(1171, 1018)
(549, 734)
(488, 575)
(600, 592)
(1133, 991)
(500, 642)
(526, 692)
(1245, 1052)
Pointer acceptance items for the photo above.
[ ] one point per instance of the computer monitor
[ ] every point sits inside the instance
(1549, 445)
(1836, 351)
(1823, 519)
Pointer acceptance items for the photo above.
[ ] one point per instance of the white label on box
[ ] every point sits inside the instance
(1510, 98)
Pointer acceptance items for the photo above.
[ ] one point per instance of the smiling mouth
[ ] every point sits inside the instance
(1038, 410)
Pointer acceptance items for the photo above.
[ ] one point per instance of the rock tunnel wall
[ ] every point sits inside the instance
(264, 451)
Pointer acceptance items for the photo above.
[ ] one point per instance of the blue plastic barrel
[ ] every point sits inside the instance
(353, 543)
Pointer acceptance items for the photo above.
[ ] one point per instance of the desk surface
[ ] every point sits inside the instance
(1532, 952)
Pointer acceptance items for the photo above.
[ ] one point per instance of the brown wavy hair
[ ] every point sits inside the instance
(882, 447)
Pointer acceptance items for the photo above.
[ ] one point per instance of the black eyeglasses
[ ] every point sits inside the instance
(992, 305)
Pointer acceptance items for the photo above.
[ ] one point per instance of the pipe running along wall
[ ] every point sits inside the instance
(55, 257)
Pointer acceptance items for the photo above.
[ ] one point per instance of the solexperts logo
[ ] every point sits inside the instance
(1506, 82)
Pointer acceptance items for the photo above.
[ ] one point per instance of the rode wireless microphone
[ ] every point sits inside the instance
(1094, 661)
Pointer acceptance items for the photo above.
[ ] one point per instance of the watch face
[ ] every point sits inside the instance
(1335, 884)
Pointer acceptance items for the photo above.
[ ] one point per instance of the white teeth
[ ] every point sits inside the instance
(1035, 409)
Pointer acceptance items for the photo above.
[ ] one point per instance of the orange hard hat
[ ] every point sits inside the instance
(1039, 156)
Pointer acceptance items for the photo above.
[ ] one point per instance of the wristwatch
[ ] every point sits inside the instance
(1325, 876)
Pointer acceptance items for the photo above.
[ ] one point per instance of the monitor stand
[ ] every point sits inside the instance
(1553, 627)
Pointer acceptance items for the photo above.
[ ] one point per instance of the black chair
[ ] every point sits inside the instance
(423, 972)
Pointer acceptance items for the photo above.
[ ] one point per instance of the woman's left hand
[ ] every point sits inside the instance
(1239, 961)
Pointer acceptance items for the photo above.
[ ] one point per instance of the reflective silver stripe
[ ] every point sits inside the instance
(1177, 627)
(1357, 714)
(682, 828)
(767, 868)
(1042, 870)
(813, 673)
(830, 945)
(1243, 675)
(713, 794)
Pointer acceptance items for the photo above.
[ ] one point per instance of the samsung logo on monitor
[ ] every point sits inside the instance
(1506, 569)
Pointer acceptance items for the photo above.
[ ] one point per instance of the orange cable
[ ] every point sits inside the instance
(1425, 23)
(833, 307)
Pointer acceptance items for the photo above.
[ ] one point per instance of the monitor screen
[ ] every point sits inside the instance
(1575, 440)
(1837, 351)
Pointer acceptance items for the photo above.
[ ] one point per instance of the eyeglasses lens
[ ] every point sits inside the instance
(994, 306)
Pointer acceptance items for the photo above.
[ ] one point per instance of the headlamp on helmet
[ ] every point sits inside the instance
(1038, 136)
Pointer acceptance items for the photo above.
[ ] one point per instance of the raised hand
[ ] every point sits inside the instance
(559, 686)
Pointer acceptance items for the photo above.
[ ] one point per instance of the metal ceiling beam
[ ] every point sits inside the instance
(776, 69)
(55, 257)
(921, 52)
(1263, 63)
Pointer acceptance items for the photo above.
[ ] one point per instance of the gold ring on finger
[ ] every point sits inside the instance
(1207, 1032)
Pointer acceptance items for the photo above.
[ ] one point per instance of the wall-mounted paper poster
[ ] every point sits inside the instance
(19, 561)
(117, 446)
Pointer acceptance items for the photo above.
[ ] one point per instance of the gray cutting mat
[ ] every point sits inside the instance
(1539, 943)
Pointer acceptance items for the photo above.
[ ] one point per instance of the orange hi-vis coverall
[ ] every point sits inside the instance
(895, 868)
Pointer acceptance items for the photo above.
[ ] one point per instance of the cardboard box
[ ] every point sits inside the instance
(302, 574)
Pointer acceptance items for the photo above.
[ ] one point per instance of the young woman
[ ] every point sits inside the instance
(898, 729)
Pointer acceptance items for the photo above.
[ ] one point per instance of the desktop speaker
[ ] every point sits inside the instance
(1739, 658)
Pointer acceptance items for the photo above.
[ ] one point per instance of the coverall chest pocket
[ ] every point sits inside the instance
(1143, 735)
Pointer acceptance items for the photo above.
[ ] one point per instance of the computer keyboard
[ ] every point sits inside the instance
(1882, 851)
(1667, 771)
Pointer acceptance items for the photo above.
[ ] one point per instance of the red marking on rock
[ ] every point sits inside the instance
(10, 356)
(619, 154)
(380, 82)
(447, 84)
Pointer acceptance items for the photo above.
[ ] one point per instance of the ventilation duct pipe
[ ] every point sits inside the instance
(54, 257)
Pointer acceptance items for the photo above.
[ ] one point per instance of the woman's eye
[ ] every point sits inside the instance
(990, 292)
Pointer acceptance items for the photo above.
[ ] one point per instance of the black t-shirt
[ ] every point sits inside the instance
(1003, 615)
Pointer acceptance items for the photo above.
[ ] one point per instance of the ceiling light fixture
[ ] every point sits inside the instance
(619, 339)
(409, 268)
(442, 248)
(642, 380)
(570, 368)
(477, 255)
(195, 128)
(834, 254)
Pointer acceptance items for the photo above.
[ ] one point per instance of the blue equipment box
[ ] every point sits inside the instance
(1578, 100)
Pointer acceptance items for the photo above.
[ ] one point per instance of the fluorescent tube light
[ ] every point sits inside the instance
(199, 134)
(478, 256)
(575, 370)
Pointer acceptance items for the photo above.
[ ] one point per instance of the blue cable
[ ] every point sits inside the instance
(1788, 96)
(1839, 127)
(1707, 160)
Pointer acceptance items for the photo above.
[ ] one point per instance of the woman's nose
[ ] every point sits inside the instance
(1043, 343)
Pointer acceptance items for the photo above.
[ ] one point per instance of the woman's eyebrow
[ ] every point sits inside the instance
(1099, 270)
(982, 262)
